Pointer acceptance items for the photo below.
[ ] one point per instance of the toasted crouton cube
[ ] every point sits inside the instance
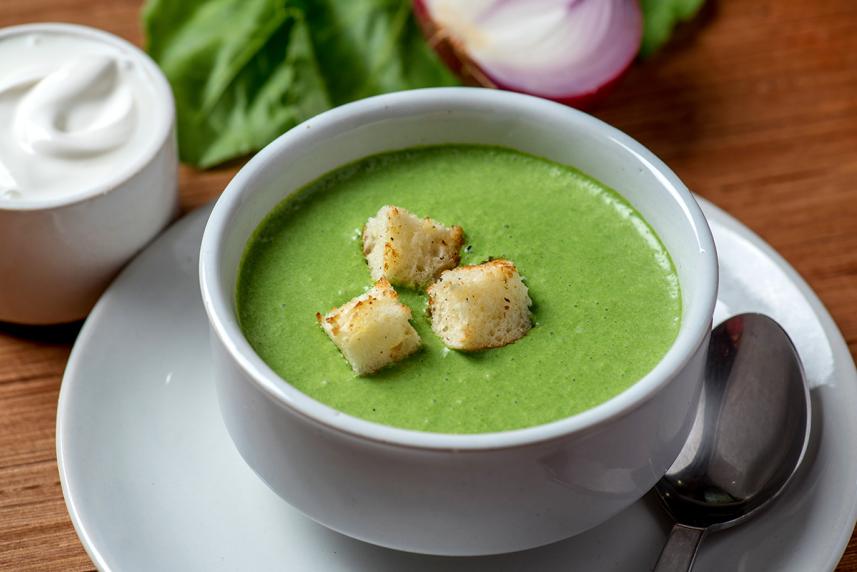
(480, 307)
(372, 330)
(408, 250)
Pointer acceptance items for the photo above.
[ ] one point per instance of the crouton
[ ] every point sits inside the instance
(407, 250)
(372, 330)
(480, 307)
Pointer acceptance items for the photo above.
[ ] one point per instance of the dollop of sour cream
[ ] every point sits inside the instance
(76, 114)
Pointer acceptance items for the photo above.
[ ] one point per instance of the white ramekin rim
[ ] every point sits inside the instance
(219, 306)
(164, 101)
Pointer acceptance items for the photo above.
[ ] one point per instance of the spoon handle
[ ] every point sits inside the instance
(680, 549)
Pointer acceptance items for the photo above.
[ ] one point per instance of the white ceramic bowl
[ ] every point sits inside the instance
(58, 255)
(441, 493)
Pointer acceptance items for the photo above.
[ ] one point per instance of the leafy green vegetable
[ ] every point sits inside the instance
(245, 71)
(659, 19)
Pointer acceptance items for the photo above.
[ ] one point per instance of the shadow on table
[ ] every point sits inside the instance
(54, 334)
(659, 100)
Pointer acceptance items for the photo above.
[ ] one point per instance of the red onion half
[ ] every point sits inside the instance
(571, 51)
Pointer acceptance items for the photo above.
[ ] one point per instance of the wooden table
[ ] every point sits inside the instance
(755, 108)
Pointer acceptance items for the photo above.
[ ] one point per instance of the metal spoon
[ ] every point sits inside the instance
(750, 434)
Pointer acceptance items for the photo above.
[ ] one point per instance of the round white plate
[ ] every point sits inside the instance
(153, 482)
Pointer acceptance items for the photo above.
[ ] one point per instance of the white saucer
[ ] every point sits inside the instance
(153, 482)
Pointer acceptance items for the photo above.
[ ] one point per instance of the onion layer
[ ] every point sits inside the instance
(571, 51)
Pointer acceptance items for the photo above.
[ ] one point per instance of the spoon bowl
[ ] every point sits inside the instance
(750, 434)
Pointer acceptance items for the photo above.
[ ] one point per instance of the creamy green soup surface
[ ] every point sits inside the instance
(607, 304)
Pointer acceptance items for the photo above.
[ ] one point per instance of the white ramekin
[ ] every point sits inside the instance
(58, 255)
(442, 493)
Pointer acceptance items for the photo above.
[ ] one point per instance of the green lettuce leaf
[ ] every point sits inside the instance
(245, 71)
(659, 19)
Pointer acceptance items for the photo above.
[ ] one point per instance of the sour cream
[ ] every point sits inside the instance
(76, 115)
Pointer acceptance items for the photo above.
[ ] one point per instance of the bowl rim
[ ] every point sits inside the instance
(164, 101)
(219, 307)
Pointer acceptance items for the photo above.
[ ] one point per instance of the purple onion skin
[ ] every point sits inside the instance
(471, 74)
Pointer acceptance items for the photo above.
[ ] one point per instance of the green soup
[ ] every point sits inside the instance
(607, 304)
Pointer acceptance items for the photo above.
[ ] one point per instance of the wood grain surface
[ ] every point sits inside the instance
(754, 106)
